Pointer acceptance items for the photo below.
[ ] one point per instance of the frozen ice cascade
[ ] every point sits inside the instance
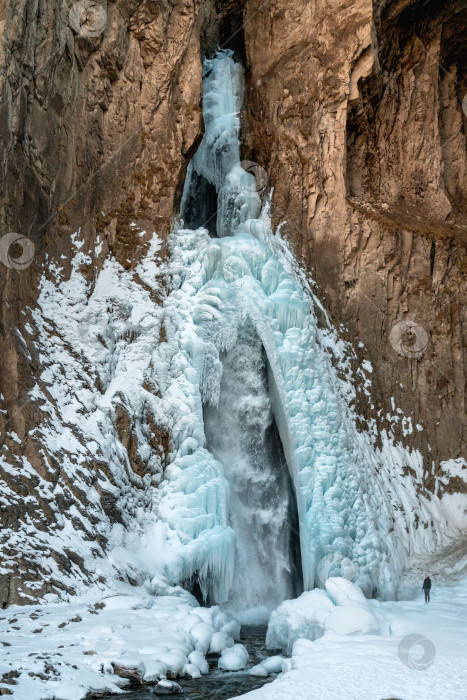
(199, 409)
(243, 353)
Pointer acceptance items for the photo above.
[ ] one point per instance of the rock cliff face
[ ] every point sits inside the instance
(356, 112)
(99, 114)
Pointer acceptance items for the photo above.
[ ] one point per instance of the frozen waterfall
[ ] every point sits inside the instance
(240, 430)
(262, 431)
(216, 165)
(242, 434)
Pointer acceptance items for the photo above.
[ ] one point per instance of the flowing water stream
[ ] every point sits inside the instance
(242, 434)
(221, 685)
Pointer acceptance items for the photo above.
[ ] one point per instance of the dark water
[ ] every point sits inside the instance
(220, 685)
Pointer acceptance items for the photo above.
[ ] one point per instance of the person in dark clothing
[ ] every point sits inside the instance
(427, 588)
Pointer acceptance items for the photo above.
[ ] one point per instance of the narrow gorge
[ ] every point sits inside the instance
(232, 338)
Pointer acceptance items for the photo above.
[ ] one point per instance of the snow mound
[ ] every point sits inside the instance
(233, 659)
(423, 656)
(167, 688)
(273, 664)
(98, 647)
(219, 642)
(341, 590)
(258, 671)
(341, 609)
(351, 619)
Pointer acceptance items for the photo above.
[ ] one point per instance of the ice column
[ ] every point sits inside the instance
(217, 159)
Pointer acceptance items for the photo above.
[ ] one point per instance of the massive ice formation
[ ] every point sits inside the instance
(341, 609)
(244, 282)
(166, 369)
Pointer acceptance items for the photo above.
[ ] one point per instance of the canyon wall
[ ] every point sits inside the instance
(100, 112)
(355, 112)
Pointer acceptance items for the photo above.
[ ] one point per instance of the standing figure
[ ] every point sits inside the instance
(427, 587)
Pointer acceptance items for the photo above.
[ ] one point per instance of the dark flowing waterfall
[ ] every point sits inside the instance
(242, 434)
(240, 431)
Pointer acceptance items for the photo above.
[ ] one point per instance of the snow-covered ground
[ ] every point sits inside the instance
(62, 651)
(424, 656)
(65, 650)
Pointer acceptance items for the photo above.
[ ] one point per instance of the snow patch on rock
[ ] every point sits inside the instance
(234, 658)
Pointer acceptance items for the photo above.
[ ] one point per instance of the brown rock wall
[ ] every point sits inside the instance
(355, 110)
(96, 130)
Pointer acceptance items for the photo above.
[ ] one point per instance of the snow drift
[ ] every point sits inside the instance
(341, 609)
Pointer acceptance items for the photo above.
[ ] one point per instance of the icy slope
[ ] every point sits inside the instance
(93, 341)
